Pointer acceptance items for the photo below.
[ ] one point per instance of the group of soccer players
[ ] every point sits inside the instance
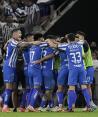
(76, 68)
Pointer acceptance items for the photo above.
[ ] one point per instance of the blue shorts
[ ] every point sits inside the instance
(48, 78)
(35, 76)
(90, 75)
(26, 76)
(9, 74)
(63, 76)
(77, 75)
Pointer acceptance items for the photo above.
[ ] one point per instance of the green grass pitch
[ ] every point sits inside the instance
(78, 113)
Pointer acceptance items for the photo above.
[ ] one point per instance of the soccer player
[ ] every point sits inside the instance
(48, 76)
(89, 65)
(9, 67)
(35, 73)
(23, 104)
(76, 70)
(62, 77)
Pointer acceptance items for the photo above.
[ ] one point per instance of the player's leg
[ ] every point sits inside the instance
(72, 81)
(83, 82)
(61, 81)
(90, 78)
(49, 86)
(26, 91)
(37, 80)
(31, 85)
(15, 97)
(8, 75)
(2, 100)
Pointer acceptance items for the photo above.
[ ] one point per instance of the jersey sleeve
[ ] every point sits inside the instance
(43, 44)
(62, 46)
(14, 43)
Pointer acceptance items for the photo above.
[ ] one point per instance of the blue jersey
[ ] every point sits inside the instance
(48, 65)
(63, 59)
(11, 54)
(74, 53)
(26, 56)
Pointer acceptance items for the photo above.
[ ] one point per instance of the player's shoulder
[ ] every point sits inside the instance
(63, 45)
(13, 42)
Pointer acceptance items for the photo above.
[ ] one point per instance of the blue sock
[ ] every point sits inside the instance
(71, 98)
(60, 96)
(43, 103)
(7, 93)
(27, 92)
(29, 96)
(86, 96)
(23, 101)
(34, 97)
(51, 103)
(2, 96)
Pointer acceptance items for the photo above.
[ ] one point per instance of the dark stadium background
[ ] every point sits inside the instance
(83, 16)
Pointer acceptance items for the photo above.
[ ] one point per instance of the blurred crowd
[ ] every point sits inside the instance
(25, 14)
(94, 49)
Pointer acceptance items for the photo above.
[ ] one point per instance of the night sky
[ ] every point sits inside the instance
(83, 16)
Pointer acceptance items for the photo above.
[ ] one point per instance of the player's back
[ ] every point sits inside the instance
(26, 56)
(74, 53)
(35, 53)
(50, 62)
(63, 59)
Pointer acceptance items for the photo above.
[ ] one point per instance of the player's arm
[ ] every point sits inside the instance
(57, 45)
(5, 46)
(55, 53)
(24, 44)
(44, 58)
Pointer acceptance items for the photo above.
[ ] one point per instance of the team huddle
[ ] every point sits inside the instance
(76, 68)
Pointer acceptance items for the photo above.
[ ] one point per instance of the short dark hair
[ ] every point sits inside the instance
(51, 37)
(15, 30)
(37, 36)
(70, 37)
(81, 33)
(28, 35)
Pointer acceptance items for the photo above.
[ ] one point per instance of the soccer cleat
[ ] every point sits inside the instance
(15, 110)
(89, 109)
(86, 109)
(6, 110)
(58, 109)
(69, 110)
(1, 103)
(41, 109)
(93, 105)
(30, 109)
(22, 109)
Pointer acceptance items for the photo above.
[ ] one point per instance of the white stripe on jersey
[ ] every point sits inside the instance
(52, 64)
(62, 46)
(13, 58)
(43, 44)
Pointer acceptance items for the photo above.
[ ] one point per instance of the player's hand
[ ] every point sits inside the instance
(36, 62)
